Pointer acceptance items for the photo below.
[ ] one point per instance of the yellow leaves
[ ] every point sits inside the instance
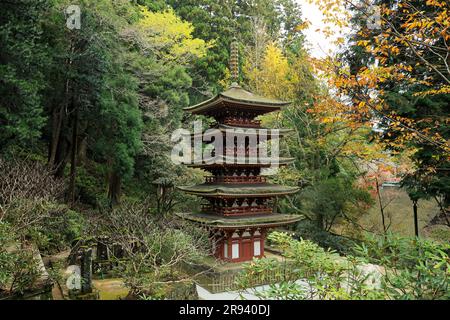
(326, 120)
(303, 26)
(363, 43)
(395, 50)
(414, 24)
(443, 90)
(339, 41)
(335, 17)
(273, 78)
(362, 104)
(436, 3)
(171, 35)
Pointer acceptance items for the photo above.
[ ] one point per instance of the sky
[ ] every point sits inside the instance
(319, 45)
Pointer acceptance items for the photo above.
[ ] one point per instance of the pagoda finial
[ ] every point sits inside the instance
(234, 62)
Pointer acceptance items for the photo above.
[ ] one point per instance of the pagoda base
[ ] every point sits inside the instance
(240, 245)
(239, 239)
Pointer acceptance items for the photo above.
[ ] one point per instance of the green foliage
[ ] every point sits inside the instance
(23, 59)
(309, 230)
(110, 95)
(332, 199)
(52, 227)
(18, 268)
(309, 272)
(406, 269)
(59, 231)
(154, 248)
(416, 268)
(90, 185)
(120, 124)
(220, 21)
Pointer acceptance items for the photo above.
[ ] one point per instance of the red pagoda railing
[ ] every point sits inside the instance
(242, 122)
(237, 211)
(237, 180)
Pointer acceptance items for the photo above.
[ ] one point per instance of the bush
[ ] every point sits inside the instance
(18, 268)
(90, 188)
(59, 230)
(308, 230)
(407, 269)
(309, 272)
(416, 268)
(154, 248)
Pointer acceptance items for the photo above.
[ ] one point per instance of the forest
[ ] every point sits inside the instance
(92, 90)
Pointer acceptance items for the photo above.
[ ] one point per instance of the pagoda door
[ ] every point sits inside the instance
(247, 249)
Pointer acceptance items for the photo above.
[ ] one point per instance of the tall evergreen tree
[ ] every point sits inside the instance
(23, 60)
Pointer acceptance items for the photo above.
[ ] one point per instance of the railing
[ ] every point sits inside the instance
(229, 280)
(237, 211)
(237, 179)
(242, 122)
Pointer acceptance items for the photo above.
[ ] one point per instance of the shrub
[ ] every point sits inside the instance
(416, 268)
(408, 269)
(18, 268)
(154, 248)
(309, 272)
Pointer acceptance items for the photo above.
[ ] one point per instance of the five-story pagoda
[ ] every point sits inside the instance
(238, 209)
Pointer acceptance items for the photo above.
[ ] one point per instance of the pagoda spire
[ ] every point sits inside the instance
(234, 62)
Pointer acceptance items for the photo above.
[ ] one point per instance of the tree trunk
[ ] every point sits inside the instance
(319, 221)
(57, 120)
(383, 218)
(114, 188)
(73, 160)
(57, 156)
(416, 222)
(62, 156)
(82, 150)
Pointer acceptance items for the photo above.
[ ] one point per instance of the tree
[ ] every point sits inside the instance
(397, 74)
(23, 57)
(164, 48)
(90, 76)
(120, 130)
(220, 21)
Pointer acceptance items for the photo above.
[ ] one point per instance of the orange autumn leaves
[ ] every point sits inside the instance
(423, 36)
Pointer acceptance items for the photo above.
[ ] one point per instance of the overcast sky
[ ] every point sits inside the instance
(318, 43)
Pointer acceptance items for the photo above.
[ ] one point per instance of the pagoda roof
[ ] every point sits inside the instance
(263, 220)
(240, 190)
(222, 160)
(237, 95)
